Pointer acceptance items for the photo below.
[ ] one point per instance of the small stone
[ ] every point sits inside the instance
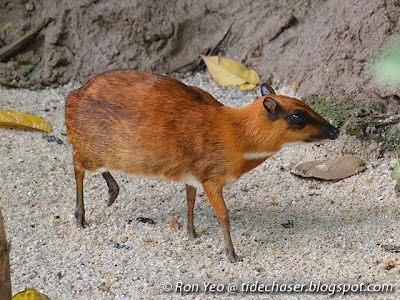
(259, 269)
(389, 264)
(52, 139)
(146, 220)
(118, 245)
(173, 223)
(288, 224)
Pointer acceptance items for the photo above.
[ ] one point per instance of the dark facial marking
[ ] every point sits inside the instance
(298, 119)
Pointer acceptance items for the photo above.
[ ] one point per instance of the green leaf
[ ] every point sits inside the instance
(396, 170)
(387, 66)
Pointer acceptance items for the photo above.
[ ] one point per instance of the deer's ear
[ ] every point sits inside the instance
(266, 89)
(273, 109)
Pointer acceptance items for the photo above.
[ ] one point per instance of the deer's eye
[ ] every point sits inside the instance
(297, 117)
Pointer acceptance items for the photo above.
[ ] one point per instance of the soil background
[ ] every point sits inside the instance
(328, 48)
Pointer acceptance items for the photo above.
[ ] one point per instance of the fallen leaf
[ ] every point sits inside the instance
(221, 74)
(246, 87)
(29, 295)
(12, 118)
(252, 77)
(229, 72)
(334, 169)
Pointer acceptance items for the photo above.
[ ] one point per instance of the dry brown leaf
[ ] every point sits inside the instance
(334, 169)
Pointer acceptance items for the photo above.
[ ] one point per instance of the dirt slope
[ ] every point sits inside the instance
(327, 49)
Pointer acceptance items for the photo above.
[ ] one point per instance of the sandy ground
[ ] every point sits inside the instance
(336, 225)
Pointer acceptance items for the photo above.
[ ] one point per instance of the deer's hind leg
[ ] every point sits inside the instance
(113, 188)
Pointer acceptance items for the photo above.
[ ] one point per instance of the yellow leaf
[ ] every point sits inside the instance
(246, 87)
(12, 118)
(29, 295)
(229, 72)
(219, 72)
(252, 77)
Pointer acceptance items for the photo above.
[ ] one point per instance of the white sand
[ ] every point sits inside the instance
(337, 225)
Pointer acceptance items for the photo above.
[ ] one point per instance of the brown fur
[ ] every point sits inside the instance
(151, 125)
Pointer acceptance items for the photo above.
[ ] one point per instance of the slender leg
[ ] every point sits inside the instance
(214, 194)
(80, 207)
(191, 198)
(113, 188)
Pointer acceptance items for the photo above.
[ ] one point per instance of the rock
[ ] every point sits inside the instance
(146, 220)
(173, 223)
(389, 264)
